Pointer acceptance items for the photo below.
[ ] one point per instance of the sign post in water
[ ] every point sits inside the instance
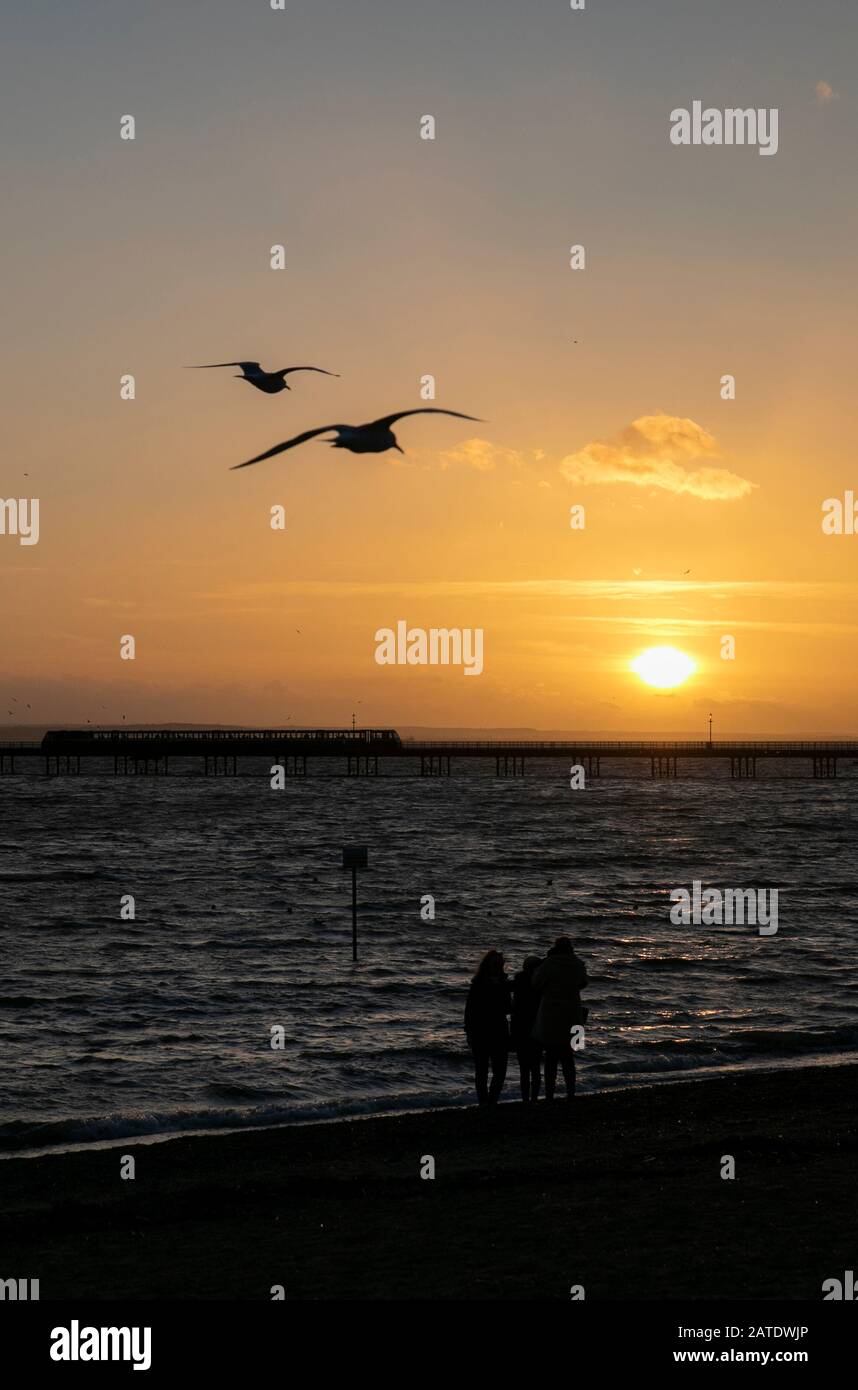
(354, 857)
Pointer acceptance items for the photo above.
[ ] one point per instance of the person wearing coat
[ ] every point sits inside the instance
(525, 1002)
(486, 1027)
(558, 983)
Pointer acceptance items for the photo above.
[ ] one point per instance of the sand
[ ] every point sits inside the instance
(621, 1193)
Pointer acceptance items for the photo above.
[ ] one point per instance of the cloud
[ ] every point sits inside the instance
(825, 94)
(652, 452)
(479, 454)
(483, 456)
(646, 590)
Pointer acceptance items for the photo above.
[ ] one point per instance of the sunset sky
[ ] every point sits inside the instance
(451, 257)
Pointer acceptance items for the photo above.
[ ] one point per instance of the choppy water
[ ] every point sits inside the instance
(112, 1028)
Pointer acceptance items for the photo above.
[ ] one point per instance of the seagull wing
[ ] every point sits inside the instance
(423, 410)
(289, 444)
(245, 366)
(287, 370)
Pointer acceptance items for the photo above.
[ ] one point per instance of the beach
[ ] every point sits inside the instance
(620, 1193)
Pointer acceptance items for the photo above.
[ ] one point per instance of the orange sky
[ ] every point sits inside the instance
(404, 258)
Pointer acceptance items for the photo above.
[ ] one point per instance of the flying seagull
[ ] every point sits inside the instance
(372, 438)
(270, 382)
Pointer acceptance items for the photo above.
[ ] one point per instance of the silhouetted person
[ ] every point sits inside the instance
(525, 1003)
(558, 982)
(486, 1026)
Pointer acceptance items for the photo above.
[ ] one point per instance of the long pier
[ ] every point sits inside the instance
(216, 752)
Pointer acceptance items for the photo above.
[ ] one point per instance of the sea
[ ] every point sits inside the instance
(113, 1027)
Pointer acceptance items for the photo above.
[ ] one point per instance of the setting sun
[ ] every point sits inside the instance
(663, 667)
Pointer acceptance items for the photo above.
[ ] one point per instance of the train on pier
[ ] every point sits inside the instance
(330, 740)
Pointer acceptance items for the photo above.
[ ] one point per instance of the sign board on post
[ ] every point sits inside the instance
(354, 857)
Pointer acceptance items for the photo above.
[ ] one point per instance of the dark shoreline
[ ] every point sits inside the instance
(621, 1193)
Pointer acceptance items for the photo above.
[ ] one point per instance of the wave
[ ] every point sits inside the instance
(54, 876)
(411, 1052)
(779, 1040)
(735, 1046)
(673, 962)
(72, 1131)
(31, 1139)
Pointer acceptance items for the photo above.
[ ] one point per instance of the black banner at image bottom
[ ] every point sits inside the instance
(163, 1339)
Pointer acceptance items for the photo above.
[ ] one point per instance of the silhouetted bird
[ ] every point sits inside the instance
(372, 438)
(270, 382)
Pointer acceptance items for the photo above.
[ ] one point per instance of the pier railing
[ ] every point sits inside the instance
(646, 745)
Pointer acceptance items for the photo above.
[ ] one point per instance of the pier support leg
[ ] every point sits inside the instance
(435, 764)
(293, 764)
(506, 765)
(662, 766)
(63, 763)
(743, 766)
(366, 765)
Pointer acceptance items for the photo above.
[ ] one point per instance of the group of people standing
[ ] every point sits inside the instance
(543, 1004)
